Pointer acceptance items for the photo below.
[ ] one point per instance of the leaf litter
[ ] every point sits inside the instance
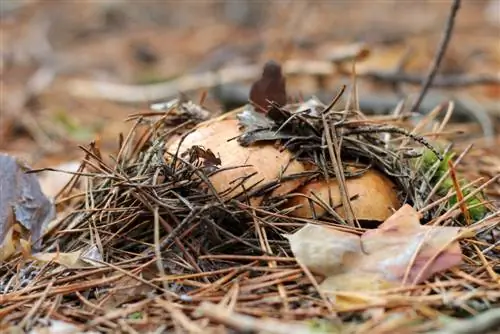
(23, 206)
(165, 231)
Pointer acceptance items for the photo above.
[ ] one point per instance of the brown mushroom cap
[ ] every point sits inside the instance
(265, 160)
(376, 195)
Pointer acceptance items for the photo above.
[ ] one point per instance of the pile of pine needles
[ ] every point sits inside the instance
(160, 252)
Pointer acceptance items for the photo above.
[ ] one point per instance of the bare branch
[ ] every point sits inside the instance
(439, 55)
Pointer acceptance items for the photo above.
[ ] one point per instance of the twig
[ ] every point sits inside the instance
(157, 249)
(439, 55)
(334, 150)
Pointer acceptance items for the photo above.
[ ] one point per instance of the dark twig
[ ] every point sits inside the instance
(439, 55)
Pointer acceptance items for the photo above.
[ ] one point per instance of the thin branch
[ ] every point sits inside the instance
(439, 55)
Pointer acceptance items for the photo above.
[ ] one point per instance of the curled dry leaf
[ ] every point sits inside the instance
(22, 201)
(271, 87)
(9, 244)
(265, 161)
(398, 251)
(376, 196)
(13, 243)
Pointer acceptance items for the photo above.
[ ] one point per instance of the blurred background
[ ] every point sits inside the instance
(54, 55)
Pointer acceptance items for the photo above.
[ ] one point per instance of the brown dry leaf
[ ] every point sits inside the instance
(271, 86)
(386, 254)
(21, 200)
(402, 235)
(381, 59)
(10, 244)
(376, 196)
(265, 160)
(127, 289)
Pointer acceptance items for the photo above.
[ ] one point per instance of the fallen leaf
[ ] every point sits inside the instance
(381, 59)
(126, 290)
(9, 244)
(21, 200)
(402, 235)
(346, 301)
(323, 250)
(69, 260)
(252, 120)
(78, 259)
(400, 251)
(207, 155)
(343, 53)
(271, 87)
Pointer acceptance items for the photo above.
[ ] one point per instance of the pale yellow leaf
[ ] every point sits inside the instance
(69, 260)
(323, 250)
